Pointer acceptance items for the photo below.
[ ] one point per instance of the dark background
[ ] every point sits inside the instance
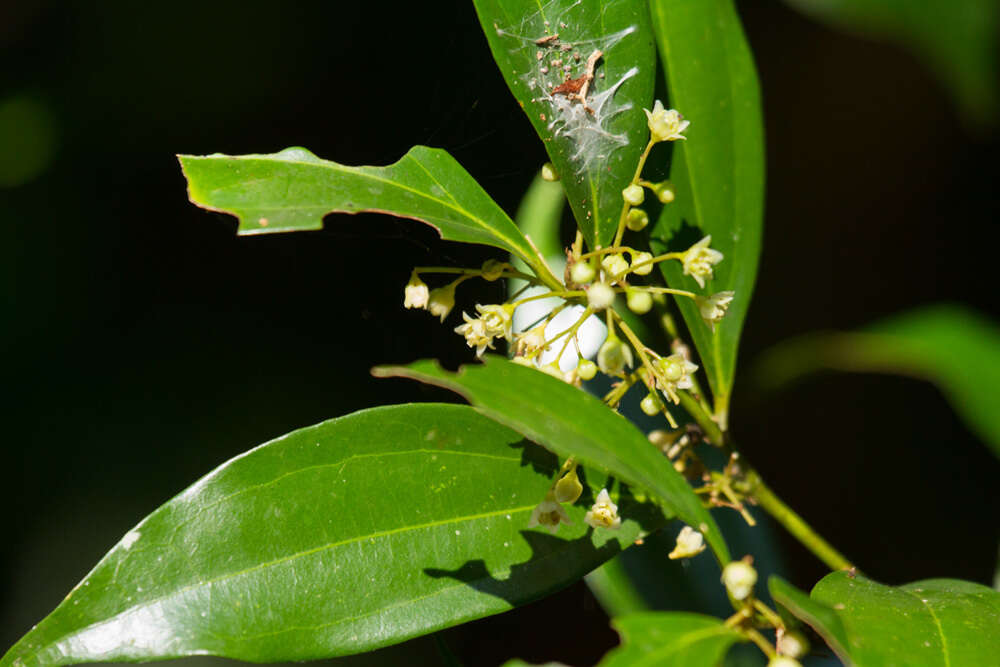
(144, 343)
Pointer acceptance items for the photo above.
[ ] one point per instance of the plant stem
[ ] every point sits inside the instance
(753, 485)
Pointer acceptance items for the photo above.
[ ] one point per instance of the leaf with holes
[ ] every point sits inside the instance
(570, 422)
(929, 623)
(356, 533)
(293, 190)
(718, 172)
(593, 129)
(670, 639)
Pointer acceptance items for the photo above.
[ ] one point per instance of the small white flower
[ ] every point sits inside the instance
(441, 300)
(665, 124)
(614, 356)
(699, 259)
(415, 294)
(604, 513)
(674, 372)
(497, 319)
(739, 578)
(689, 543)
(476, 333)
(600, 296)
(713, 308)
(549, 513)
(532, 340)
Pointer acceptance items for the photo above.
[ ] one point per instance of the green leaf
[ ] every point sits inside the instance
(615, 590)
(955, 348)
(570, 422)
(293, 190)
(819, 616)
(957, 39)
(595, 150)
(718, 172)
(928, 623)
(343, 537)
(665, 639)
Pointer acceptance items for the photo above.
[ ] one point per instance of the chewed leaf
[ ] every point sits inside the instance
(293, 190)
(582, 71)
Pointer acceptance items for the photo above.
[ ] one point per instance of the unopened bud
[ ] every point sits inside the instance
(549, 172)
(739, 578)
(568, 489)
(586, 369)
(665, 192)
(633, 194)
(582, 272)
(793, 644)
(639, 302)
(637, 220)
(493, 269)
(640, 267)
(600, 296)
(651, 404)
(615, 266)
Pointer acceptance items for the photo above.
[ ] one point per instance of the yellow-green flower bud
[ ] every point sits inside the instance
(600, 296)
(651, 404)
(638, 302)
(582, 272)
(783, 661)
(586, 369)
(568, 489)
(642, 263)
(633, 194)
(493, 269)
(739, 578)
(549, 172)
(614, 356)
(637, 219)
(615, 266)
(665, 192)
(793, 644)
(441, 300)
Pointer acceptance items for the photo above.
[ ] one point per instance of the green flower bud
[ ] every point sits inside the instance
(639, 303)
(600, 296)
(665, 192)
(568, 489)
(637, 219)
(639, 266)
(651, 404)
(633, 194)
(614, 356)
(586, 369)
(549, 172)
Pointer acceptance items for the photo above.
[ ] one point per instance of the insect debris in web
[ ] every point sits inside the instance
(577, 89)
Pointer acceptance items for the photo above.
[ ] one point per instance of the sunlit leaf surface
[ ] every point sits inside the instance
(670, 639)
(339, 538)
(718, 171)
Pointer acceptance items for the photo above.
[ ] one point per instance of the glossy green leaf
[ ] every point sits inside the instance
(356, 533)
(570, 422)
(819, 616)
(953, 347)
(934, 622)
(718, 172)
(670, 639)
(957, 39)
(293, 190)
(595, 149)
(928, 623)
